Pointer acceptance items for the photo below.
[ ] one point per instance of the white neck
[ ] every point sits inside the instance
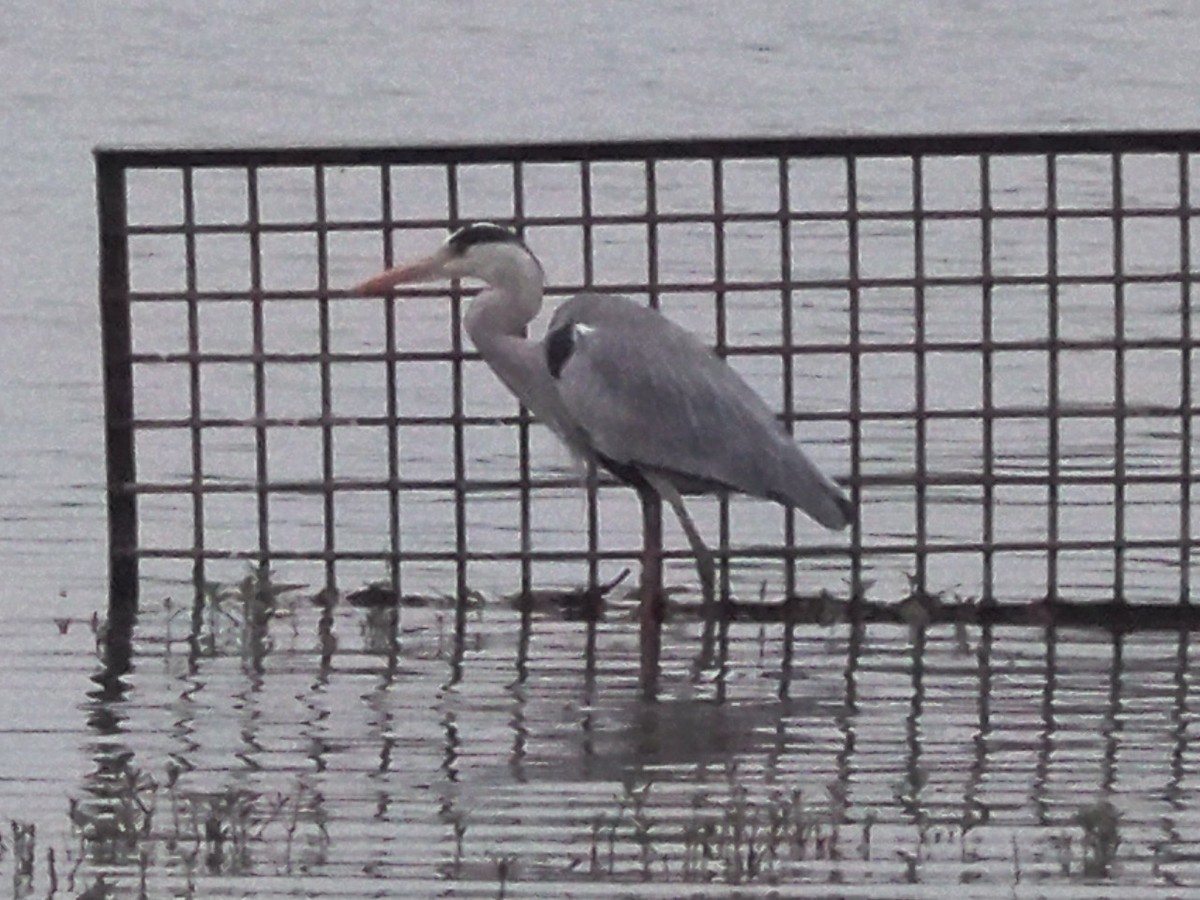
(513, 298)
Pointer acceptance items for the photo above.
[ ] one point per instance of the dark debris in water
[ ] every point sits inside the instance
(1116, 616)
(921, 608)
(579, 604)
(374, 596)
(918, 609)
(381, 595)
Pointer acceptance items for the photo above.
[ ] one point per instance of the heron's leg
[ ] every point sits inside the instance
(705, 566)
(651, 590)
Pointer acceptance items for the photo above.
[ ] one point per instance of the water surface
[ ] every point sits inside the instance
(379, 760)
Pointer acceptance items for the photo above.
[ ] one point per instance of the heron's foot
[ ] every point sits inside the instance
(707, 572)
(710, 663)
(652, 608)
(706, 658)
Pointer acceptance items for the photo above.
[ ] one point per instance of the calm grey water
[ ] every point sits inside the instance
(236, 73)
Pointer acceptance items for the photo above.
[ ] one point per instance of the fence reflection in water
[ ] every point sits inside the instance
(881, 754)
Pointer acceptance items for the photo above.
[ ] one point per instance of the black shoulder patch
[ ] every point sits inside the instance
(559, 345)
(481, 233)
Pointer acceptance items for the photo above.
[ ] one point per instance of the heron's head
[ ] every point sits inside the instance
(485, 251)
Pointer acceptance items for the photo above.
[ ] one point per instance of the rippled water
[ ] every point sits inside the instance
(349, 756)
(350, 766)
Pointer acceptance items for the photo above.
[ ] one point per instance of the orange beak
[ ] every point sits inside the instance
(426, 269)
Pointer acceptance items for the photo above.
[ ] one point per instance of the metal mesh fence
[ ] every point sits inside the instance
(987, 338)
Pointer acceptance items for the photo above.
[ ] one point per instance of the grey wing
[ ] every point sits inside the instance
(649, 394)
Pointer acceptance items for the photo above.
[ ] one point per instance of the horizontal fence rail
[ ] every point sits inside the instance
(987, 338)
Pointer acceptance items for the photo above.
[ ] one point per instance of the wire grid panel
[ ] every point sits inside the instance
(987, 338)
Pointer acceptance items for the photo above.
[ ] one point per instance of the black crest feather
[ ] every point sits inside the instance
(481, 233)
(560, 344)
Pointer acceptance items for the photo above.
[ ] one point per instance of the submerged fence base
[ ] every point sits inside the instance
(988, 338)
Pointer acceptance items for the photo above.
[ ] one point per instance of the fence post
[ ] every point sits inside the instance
(118, 391)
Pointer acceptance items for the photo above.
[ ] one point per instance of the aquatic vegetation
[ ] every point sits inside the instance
(729, 834)
(505, 864)
(1101, 836)
(733, 831)
(24, 848)
(232, 618)
(910, 776)
(134, 820)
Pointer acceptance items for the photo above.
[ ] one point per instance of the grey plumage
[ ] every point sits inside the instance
(648, 394)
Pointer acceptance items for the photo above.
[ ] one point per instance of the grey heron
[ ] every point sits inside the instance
(628, 389)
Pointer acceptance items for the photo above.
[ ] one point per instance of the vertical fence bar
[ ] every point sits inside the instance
(194, 396)
(116, 347)
(920, 426)
(787, 354)
(653, 292)
(788, 359)
(650, 173)
(988, 593)
(586, 209)
(1120, 413)
(1185, 381)
(523, 417)
(456, 417)
(327, 486)
(258, 350)
(392, 411)
(854, 346)
(523, 463)
(719, 302)
(654, 296)
(587, 248)
(1052, 367)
